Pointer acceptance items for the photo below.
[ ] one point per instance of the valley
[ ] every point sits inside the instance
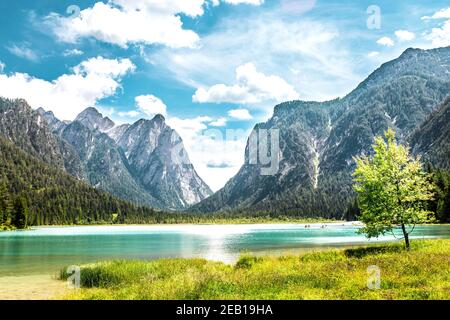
(145, 165)
(119, 200)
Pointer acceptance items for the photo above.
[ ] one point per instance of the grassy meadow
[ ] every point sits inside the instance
(423, 272)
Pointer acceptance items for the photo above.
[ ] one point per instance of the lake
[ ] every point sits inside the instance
(47, 249)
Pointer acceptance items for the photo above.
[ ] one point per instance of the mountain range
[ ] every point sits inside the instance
(145, 162)
(133, 162)
(319, 140)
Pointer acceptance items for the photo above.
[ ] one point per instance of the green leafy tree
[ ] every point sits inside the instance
(393, 189)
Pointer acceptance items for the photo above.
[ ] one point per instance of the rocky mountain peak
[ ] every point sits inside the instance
(94, 120)
(159, 118)
(154, 150)
(54, 123)
(157, 121)
(41, 111)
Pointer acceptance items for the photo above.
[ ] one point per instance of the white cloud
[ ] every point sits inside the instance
(240, 114)
(68, 94)
(236, 2)
(190, 126)
(316, 50)
(440, 36)
(404, 35)
(151, 105)
(216, 154)
(109, 67)
(72, 52)
(2, 66)
(373, 54)
(128, 114)
(220, 122)
(252, 87)
(298, 6)
(385, 41)
(124, 22)
(23, 51)
(441, 14)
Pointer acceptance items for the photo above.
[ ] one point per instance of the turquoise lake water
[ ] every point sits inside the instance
(46, 250)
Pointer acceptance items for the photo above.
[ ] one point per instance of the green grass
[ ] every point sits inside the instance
(420, 273)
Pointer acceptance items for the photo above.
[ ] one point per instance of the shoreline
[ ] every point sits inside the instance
(45, 286)
(206, 224)
(238, 221)
(32, 287)
(312, 225)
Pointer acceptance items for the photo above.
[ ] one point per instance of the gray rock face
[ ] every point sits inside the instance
(94, 120)
(29, 130)
(116, 132)
(54, 123)
(105, 165)
(318, 140)
(157, 157)
(432, 139)
(133, 162)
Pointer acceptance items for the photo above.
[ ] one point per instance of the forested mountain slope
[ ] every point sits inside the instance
(318, 140)
(432, 138)
(55, 197)
(29, 131)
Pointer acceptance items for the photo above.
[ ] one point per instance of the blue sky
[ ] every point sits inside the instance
(214, 68)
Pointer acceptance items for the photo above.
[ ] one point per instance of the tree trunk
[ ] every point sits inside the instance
(406, 235)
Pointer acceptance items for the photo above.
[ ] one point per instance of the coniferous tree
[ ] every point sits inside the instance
(5, 203)
(20, 213)
(353, 211)
(441, 204)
